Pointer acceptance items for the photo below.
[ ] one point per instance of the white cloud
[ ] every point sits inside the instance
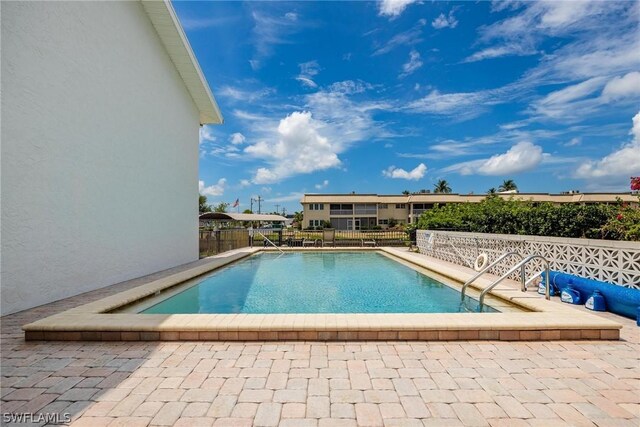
(345, 120)
(237, 138)
(206, 134)
(307, 82)
(270, 30)
(333, 121)
(620, 164)
(324, 184)
(307, 71)
(500, 51)
(571, 102)
(413, 175)
(520, 33)
(622, 87)
(299, 148)
(393, 8)
(579, 101)
(407, 38)
(412, 65)
(242, 95)
(244, 183)
(463, 105)
(522, 157)
(444, 21)
(212, 190)
(349, 87)
(573, 142)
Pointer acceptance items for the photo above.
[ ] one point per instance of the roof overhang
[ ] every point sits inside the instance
(165, 21)
(228, 216)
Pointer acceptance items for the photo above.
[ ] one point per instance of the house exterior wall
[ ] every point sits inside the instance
(99, 151)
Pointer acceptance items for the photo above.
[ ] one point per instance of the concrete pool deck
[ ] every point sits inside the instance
(317, 384)
(539, 320)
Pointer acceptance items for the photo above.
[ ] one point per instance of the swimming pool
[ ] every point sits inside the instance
(316, 282)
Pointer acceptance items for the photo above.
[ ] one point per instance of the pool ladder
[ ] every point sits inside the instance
(523, 278)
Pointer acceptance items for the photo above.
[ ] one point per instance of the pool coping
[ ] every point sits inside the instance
(546, 320)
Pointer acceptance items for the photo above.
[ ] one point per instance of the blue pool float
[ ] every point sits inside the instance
(619, 299)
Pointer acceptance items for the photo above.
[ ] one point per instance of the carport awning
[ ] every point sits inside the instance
(228, 216)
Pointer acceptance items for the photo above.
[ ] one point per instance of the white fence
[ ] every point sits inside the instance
(606, 260)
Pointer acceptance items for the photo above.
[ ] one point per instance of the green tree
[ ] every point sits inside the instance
(203, 206)
(247, 211)
(442, 186)
(492, 191)
(508, 185)
(406, 192)
(221, 207)
(298, 217)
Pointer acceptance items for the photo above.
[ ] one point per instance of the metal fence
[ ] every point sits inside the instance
(215, 241)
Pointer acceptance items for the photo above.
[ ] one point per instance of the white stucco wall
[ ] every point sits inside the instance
(99, 151)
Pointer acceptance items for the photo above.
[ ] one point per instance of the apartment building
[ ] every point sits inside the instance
(364, 211)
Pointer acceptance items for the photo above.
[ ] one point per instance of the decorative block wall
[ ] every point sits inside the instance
(606, 260)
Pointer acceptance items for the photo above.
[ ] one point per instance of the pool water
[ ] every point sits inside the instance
(317, 282)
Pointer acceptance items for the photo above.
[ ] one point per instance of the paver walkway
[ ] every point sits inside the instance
(477, 383)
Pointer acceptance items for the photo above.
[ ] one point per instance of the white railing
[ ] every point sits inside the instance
(606, 260)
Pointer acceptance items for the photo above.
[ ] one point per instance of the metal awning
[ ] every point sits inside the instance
(228, 216)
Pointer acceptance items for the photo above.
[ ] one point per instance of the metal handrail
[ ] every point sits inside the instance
(268, 240)
(521, 264)
(459, 254)
(485, 269)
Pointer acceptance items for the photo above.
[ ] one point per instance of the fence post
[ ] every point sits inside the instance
(280, 237)
(218, 242)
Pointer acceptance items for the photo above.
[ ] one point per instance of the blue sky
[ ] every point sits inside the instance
(379, 97)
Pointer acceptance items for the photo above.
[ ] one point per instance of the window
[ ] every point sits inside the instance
(341, 209)
(365, 208)
(383, 206)
(316, 206)
(401, 206)
(383, 222)
(315, 222)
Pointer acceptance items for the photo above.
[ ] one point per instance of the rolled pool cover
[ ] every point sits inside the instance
(619, 299)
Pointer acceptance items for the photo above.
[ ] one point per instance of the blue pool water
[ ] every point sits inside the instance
(317, 282)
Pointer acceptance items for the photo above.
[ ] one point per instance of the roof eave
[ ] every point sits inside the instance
(165, 21)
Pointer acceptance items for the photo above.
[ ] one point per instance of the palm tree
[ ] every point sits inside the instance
(492, 191)
(508, 185)
(406, 192)
(442, 186)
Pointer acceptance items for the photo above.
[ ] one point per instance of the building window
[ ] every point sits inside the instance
(341, 209)
(401, 206)
(383, 222)
(315, 222)
(383, 206)
(365, 208)
(316, 206)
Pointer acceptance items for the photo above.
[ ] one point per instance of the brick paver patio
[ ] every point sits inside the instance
(476, 383)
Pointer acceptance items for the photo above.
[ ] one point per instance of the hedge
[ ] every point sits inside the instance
(500, 216)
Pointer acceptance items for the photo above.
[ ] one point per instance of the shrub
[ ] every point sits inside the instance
(496, 215)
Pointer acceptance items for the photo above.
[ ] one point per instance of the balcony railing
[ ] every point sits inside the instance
(341, 212)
